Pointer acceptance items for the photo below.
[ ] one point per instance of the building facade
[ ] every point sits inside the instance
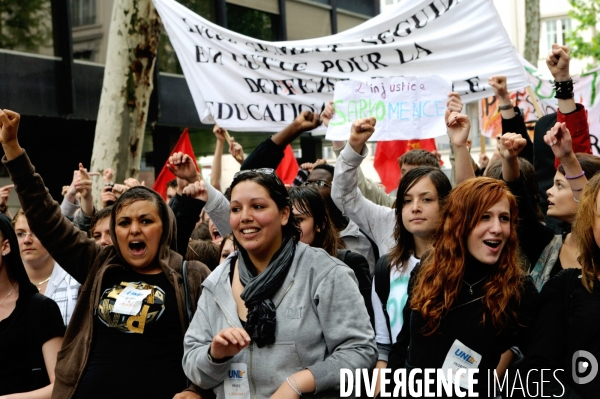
(51, 71)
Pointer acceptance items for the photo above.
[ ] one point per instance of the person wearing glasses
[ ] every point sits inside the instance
(124, 338)
(43, 271)
(279, 318)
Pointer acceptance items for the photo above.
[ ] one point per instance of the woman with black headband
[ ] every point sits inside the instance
(280, 318)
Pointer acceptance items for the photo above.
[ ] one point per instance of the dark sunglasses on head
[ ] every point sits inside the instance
(264, 171)
(316, 183)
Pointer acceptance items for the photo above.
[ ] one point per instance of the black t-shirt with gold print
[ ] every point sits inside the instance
(135, 355)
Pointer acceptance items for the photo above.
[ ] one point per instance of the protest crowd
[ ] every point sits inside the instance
(265, 290)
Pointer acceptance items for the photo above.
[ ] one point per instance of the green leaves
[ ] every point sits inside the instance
(25, 24)
(586, 13)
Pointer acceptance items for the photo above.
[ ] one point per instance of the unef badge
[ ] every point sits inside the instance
(459, 357)
(130, 300)
(236, 382)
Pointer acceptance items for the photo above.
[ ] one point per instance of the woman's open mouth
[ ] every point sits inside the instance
(493, 244)
(137, 247)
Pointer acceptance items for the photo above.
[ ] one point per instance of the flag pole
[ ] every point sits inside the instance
(535, 102)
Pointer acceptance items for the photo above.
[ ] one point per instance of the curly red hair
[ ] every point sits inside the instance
(440, 276)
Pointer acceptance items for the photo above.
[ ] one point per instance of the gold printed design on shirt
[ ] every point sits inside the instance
(152, 309)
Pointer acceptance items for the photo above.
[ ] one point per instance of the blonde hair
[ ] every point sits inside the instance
(589, 253)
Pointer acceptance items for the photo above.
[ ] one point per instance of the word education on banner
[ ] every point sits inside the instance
(246, 84)
(405, 108)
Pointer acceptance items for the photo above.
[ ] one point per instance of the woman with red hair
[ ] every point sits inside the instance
(470, 294)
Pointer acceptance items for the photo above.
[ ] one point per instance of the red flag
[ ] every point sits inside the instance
(386, 158)
(183, 145)
(288, 167)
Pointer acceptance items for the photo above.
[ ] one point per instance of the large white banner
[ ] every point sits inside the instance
(246, 84)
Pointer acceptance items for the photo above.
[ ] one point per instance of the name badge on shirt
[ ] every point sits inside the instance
(236, 382)
(130, 300)
(459, 357)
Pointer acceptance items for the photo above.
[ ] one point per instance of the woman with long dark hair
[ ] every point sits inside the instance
(470, 294)
(404, 233)
(31, 326)
(279, 317)
(310, 209)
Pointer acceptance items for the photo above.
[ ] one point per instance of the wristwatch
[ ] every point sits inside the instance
(505, 107)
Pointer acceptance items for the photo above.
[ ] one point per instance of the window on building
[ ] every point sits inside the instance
(83, 12)
(167, 58)
(365, 7)
(250, 22)
(556, 32)
(85, 55)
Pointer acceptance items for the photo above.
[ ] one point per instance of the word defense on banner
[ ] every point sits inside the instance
(405, 108)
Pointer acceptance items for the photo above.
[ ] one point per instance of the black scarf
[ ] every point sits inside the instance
(259, 288)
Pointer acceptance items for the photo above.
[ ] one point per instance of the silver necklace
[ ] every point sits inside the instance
(7, 295)
(471, 285)
(42, 282)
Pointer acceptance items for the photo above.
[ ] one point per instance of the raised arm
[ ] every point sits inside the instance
(509, 147)
(84, 188)
(83, 219)
(512, 120)
(68, 245)
(458, 127)
(215, 176)
(367, 187)
(217, 206)
(269, 153)
(559, 139)
(186, 209)
(4, 194)
(574, 115)
(558, 62)
(70, 204)
(533, 235)
(236, 150)
(375, 220)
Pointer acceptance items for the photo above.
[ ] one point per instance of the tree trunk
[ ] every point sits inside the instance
(132, 46)
(532, 31)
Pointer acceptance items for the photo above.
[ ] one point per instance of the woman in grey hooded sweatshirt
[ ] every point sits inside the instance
(280, 318)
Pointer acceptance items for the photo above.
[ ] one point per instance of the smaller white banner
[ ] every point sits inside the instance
(408, 107)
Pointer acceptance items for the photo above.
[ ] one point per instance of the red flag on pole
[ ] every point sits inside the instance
(183, 145)
(288, 167)
(386, 158)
